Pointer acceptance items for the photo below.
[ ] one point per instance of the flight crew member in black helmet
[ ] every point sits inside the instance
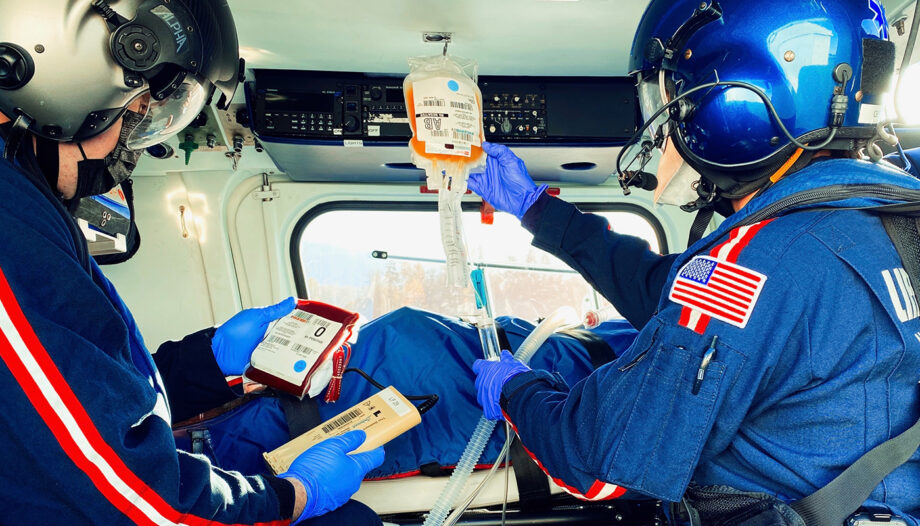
(84, 87)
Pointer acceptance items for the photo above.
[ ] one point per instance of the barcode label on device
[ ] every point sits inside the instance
(342, 420)
(436, 103)
(440, 133)
(461, 105)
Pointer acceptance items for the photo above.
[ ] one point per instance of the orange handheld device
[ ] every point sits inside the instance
(298, 345)
(383, 417)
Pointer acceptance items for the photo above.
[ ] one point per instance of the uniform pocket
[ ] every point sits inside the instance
(667, 425)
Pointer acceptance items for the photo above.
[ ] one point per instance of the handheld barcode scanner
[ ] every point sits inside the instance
(383, 417)
(298, 345)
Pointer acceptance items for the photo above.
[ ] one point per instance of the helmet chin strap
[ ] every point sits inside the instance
(47, 152)
(711, 197)
(700, 222)
(18, 132)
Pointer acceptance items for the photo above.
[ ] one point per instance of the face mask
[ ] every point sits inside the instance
(98, 176)
(675, 178)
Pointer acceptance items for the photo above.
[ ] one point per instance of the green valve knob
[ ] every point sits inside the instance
(188, 147)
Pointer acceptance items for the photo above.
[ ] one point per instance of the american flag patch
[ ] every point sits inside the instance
(720, 289)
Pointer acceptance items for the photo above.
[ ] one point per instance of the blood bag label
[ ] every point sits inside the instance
(294, 345)
(447, 116)
(394, 402)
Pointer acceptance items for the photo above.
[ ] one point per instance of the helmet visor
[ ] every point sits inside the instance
(652, 97)
(165, 118)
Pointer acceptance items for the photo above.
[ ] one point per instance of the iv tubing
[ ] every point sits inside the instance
(563, 317)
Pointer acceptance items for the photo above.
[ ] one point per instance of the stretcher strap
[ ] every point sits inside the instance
(532, 484)
(301, 415)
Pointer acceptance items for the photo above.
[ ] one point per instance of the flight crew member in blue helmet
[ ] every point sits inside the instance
(777, 350)
(84, 86)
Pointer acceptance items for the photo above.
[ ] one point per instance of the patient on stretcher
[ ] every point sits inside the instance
(418, 352)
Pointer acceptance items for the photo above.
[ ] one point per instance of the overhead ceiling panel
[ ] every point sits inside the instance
(507, 37)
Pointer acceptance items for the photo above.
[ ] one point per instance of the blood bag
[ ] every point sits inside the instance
(293, 353)
(444, 105)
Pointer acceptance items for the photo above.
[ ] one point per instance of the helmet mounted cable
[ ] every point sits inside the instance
(838, 109)
(112, 18)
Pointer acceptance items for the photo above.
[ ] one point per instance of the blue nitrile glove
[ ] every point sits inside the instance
(329, 474)
(234, 341)
(490, 378)
(505, 184)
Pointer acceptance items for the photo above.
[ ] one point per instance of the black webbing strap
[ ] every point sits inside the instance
(905, 234)
(597, 348)
(434, 469)
(14, 137)
(532, 484)
(832, 504)
(301, 415)
(700, 222)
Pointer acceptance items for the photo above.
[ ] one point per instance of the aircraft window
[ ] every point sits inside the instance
(908, 102)
(334, 258)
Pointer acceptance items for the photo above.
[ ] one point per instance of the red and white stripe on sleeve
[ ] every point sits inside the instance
(599, 490)
(60, 410)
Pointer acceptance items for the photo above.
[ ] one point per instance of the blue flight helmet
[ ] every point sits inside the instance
(738, 87)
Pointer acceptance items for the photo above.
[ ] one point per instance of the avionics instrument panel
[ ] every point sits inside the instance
(316, 105)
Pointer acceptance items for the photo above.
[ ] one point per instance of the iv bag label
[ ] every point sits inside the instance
(394, 402)
(447, 116)
(294, 345)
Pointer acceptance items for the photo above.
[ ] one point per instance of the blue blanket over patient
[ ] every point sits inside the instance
(418, 353)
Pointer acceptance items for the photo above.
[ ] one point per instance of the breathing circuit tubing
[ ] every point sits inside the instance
(562, 317)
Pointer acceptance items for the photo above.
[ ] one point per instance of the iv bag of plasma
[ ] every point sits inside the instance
(444, 105)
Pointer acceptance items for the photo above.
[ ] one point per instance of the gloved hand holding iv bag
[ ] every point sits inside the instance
(505, 184)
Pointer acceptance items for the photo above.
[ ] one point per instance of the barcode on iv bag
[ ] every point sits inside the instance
(463, 136)
(301, 315)
(461, 105)
(342, 420)
(436, 103)
(308, 317)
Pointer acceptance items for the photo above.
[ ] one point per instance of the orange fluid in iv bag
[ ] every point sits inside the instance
(418, 146)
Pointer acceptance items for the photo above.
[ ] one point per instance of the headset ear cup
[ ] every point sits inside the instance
(16, 67)
(162, 43)
(135, 47)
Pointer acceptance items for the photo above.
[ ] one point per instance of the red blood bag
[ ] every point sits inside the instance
(298, 345)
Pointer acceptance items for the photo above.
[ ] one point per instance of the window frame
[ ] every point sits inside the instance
(430, 206)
